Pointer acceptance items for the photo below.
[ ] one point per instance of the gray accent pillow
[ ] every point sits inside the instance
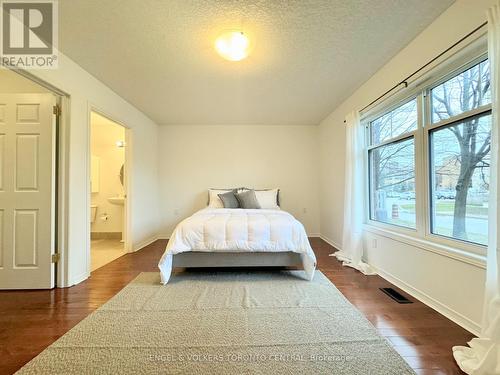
(277, 195)
(247, 199)
(229, 200)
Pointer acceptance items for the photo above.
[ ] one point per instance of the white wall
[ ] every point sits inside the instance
(86, 91)
(195, 158)
(456, 285)
(104, 135)
(454, 288)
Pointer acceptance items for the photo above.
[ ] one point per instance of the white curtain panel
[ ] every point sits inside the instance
(352, 239)
(482, 355)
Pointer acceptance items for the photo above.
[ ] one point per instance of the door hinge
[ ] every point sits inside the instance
(57, 110)
(55, 257)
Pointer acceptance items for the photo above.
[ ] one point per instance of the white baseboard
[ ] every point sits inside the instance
(313, 235)
(84, 276)
(77, 280)
(144, 243)
(330, 242)
(448, 312)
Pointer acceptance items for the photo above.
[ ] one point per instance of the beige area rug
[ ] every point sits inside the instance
(223, 323)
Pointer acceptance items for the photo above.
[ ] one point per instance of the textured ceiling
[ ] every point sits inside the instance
(308, 55)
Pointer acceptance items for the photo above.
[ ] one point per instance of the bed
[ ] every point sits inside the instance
(223, 237)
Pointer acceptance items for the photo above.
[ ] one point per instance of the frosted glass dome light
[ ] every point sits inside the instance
(233, 45)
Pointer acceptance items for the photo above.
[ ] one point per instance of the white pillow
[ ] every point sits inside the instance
(213, 198)
(268, 199)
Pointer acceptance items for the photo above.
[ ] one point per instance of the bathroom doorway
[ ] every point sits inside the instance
(108, 186)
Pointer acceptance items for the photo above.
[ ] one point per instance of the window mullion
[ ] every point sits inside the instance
(461, 117)
(420, 169)
(427, 179)
(400, 138)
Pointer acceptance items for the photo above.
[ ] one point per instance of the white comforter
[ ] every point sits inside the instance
(238, 230)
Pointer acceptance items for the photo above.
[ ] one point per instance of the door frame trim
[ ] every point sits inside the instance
(62, 193)
(127, 183)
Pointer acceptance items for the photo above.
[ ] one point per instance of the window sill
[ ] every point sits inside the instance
(447, 251)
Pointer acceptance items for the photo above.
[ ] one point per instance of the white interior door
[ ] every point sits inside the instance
(27, 191)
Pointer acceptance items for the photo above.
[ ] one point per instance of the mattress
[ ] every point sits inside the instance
(238, 230)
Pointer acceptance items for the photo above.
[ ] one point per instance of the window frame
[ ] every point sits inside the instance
(457, 120)
(421, 136)
(397, 139)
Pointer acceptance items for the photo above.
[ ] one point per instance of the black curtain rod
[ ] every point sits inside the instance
(405, 81)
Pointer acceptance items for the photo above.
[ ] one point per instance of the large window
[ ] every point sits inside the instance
(446, 128)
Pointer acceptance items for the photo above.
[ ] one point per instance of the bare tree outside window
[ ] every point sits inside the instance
(459, 158)
(399, 121)
(461, 151)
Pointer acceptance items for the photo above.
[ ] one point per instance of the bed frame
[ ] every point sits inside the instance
(198, 259)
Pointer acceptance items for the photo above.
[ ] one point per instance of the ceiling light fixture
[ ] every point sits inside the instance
(233, 45)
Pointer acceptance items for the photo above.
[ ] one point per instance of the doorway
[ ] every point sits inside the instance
(108, 186)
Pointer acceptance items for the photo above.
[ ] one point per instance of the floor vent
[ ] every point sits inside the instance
(395, 295)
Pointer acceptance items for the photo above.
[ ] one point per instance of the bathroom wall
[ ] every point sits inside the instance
(104, 135)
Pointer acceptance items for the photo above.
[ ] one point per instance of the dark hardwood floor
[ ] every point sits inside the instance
(32, 320)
